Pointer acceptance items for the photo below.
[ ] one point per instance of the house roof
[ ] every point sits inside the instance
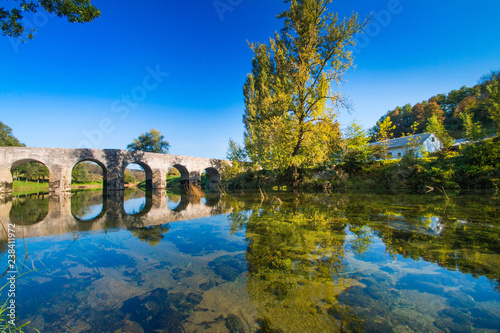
(403, 141)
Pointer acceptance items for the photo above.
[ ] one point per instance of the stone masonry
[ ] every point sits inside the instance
(60, 162)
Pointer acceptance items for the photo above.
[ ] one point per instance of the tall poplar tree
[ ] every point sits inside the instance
(290, 107)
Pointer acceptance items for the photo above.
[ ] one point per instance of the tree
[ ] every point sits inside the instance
(436, 127)
(32, 171)
(355, 137)
(76, 11)
(152, 142)
(473, 130)
(80, 173)
(237, 155)
(493, 102)
(356, 150)
(289, 104)
(7, 139)
(432, 109)
(129, 177)
(385, 128)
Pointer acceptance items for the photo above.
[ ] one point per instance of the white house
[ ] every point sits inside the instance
(397, 148)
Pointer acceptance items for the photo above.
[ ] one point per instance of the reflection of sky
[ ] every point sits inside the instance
(91, 212)
(172, 204)
(134, 206)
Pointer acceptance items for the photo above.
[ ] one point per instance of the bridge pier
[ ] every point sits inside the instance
(159, 179)
(59, 179)
(195, 178)
(5, 181)
(115, 179)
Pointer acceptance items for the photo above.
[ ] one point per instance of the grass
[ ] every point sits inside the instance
(20, 187)
(94, 184)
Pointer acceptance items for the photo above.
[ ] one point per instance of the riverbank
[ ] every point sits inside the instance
(475, 166)
(30, 187)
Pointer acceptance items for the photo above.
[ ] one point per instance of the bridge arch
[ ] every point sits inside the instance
(147, 171)
(15, 165)
(213, 178)
(184, 174)
(99, 163)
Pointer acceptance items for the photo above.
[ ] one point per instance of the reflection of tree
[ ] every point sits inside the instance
(133, 193)
(152, 234)
(82, 201)
(294, 254)
(296, 250)
(29, 209)
(468, 237)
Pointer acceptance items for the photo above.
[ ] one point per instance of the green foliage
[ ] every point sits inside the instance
(298, 247)
(129, 177)
(473, 129)
(289, 104)
(7, 139)
(80, 173)
(237, 155)
(493, 102)
(31, 171)
(355, 137)
(481, 102)
(435, 126)
(385, 128)
(29, 209)
(355, 152)
(11, 20)
(23, 188)
(152, 142)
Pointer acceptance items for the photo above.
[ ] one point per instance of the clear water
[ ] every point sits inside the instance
(308, 263)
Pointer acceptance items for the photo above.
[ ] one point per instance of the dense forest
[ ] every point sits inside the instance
(480, 103)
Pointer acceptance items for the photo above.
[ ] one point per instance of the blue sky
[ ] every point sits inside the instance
(179, 66)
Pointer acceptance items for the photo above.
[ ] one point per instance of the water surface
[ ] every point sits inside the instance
(136, 262)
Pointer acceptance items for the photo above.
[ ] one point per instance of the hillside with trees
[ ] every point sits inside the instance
(479, 105)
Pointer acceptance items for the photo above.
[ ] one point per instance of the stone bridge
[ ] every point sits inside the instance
(60, 162)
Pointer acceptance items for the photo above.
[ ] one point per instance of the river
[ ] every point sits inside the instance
(136, 262)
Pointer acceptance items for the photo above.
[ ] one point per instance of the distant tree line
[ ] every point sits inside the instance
(33, 171)
(86, 172)
(479, 105)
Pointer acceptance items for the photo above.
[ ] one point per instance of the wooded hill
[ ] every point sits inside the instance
(481, 102)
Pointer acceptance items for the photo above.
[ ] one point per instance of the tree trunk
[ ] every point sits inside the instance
(296, 151)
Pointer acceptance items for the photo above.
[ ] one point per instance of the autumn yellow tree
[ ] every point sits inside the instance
(290, 106)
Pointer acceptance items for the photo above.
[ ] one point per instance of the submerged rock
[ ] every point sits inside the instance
(160, 310)
(228, 267)
(234, 324)
(179, 273)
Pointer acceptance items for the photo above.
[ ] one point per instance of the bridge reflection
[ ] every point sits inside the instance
(44, 215)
